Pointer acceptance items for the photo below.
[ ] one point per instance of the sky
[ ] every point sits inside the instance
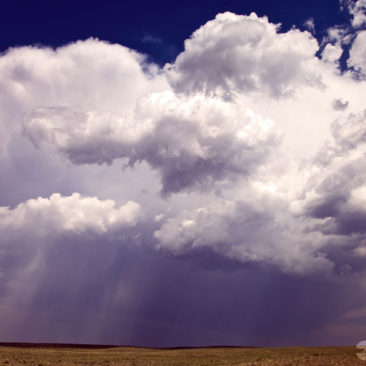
(183, 174)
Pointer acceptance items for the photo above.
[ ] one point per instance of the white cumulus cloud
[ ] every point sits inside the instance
(256, 141)
(245, 232)
(191, 141)
(88, 74)
(358, 53)
(57, 215)
(245, 54)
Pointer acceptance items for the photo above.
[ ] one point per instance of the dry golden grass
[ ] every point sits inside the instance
(128, 356)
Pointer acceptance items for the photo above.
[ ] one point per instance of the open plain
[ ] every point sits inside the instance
(68, 355)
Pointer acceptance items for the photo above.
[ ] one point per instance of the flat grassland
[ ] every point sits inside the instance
(221, 356)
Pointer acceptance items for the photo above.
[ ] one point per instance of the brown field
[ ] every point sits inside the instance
(221, 356)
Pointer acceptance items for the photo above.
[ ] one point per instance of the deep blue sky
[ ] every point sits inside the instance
(157, 28)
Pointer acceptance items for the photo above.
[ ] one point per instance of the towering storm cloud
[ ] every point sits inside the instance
(237, 169)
